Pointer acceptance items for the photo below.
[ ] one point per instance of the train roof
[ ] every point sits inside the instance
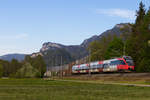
(108, 61)
(80, 65)
(97, 62)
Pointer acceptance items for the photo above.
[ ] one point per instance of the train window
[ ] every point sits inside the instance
(96, 66)
(127, 57)
(105, 66)
(81, 67)
(122, 62)
(130, 62)
(114, 62)
(85, 67)
(117, 62)
(73, 68)
(99, 66)
(93, 66)
(76, 69)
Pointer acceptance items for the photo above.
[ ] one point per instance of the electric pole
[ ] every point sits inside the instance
(89, 63)
(61, 72)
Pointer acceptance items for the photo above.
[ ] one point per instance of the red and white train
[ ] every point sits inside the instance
(121, 64)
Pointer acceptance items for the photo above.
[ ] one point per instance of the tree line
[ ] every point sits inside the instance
(135, 43)
(28, 68)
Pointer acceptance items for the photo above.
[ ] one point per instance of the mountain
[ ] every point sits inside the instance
(52, 52)
(117, 30)
(76, 51)
(57, 57)
(9, 57)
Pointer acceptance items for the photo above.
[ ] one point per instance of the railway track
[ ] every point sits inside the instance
(113, 74)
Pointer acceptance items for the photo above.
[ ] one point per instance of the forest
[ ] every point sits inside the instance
(28, 68)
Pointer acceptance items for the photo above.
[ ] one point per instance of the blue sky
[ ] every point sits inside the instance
(26, 24)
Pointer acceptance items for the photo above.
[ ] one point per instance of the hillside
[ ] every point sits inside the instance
(53, 51)
(116, 30)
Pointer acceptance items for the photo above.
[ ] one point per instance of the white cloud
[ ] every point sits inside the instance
(14, 37)
(21, 36)
(123, 13)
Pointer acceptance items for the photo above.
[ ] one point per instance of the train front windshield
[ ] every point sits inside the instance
(129, 60)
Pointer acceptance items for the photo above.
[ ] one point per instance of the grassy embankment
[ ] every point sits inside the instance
(38, 89)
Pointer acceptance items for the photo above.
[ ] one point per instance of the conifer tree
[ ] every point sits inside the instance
(115, 48)
(135, 42)
(14, 66)
(140, 14)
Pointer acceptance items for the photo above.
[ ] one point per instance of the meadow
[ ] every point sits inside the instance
(39, 89)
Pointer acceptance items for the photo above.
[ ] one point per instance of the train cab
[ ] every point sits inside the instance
(129, 62)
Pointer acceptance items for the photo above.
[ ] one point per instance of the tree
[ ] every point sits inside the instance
(140, 14)
(137, 45)
(6, 68)
(98, 48)
(27, 71)
(143, 61)
(139, 20)
(28, 59)
(14, 66)
(115, 48)
(1, 70)
(39, 64)
(95, 50)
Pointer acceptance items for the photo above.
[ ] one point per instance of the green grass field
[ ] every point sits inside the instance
(38, 89)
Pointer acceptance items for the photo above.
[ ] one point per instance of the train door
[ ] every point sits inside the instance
(106, 67)
(113, 68)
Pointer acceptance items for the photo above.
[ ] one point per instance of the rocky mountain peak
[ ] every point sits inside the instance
(50, 45)
(116, 30)
(121, 25)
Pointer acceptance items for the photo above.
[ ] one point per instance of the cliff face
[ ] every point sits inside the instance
(52, 52)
